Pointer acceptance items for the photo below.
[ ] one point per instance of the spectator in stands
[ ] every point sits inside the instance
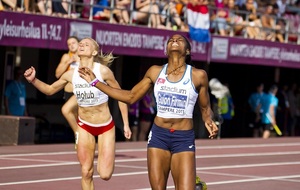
(58, 9)
(221, 18)
(100, 12)
(170, 16)
(45, 7)
(122, 12)
(242, 2)
(12, 4)
(280, 24)
(144, 10)
(235, 20)
(268, 24)
(282, 4)
(1, 6)
(181, 7)
(250, 19)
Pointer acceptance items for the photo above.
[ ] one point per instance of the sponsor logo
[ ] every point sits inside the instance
(160, 81)
(173, 89)
(186, 81)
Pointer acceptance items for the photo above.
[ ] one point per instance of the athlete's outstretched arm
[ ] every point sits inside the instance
(47, 89)
(127, 96)
(109, 78)
(204, 102)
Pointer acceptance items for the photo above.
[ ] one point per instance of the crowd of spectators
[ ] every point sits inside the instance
(274, 20)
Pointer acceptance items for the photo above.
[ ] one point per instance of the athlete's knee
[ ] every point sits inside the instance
(87, 173)
(105, 175)
(66, 110)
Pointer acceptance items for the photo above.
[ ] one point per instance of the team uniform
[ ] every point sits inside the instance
(267, 101)
(90, 96)
(174, 100)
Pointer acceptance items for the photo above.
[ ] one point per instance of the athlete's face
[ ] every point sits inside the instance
(86, 48)
(72, 45)
(177, 43)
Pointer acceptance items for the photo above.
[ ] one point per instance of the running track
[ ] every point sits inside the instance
(224, 164)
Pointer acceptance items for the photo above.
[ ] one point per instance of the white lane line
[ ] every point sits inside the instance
(244, 176)
(145, 159)
(252, 180)
(144, 149)
(239, 181)
(11, 157)
(68, 178)
(202, 169)
(249, 154)
(247, 146)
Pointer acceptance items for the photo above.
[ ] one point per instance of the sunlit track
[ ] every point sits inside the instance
(61, 163)
(222, 164)
(144, 149)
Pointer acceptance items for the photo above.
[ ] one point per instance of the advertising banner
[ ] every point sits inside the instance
(39, 31)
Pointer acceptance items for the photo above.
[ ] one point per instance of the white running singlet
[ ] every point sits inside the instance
(86, 94)
(175, 99)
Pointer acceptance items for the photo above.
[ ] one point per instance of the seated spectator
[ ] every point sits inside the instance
(282, 4)
(12, 4)
(99, 11)
(147, 11)
(66, 4)
(122, 12)
(268, 24)
(169, 15)
(29, 6)
(280, 24)
(251, 19)
(180, 6)
(1, 6)
(45, 7)
(220, 19)
(58, 9)
(235, 20)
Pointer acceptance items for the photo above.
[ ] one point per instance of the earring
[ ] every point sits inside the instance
(187, 52)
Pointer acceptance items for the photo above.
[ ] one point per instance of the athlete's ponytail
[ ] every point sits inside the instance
(103, 58)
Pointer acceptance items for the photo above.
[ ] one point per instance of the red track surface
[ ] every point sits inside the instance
(225, 164)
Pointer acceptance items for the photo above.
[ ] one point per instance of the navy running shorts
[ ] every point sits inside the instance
(172, 140)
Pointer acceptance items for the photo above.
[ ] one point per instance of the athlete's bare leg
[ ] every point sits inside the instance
(70, 112)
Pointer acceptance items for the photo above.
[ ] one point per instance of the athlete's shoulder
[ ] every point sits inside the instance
(199, 72)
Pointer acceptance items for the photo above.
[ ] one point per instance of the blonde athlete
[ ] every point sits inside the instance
(94, 117)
